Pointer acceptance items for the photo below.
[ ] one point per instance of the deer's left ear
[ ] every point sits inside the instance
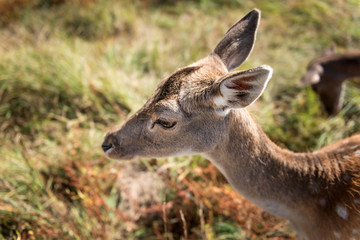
(241, 88)
(239, 40)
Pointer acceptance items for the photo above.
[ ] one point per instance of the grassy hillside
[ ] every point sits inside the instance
(70, 70)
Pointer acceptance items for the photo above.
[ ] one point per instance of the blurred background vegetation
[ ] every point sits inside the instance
(70, 70)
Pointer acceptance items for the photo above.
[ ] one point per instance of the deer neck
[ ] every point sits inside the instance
(273, 178)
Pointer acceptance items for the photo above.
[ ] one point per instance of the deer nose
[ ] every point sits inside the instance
(106, 146)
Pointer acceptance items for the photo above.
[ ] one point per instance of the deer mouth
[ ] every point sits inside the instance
(117, 153)
(109, 150)
(107, 147)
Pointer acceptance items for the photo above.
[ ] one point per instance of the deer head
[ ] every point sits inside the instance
(326, 75)
(186, 113)
(199, 109)
(315, 69)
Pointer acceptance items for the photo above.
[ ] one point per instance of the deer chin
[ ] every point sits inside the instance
(117, 154)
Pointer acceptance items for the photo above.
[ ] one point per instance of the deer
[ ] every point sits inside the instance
(327, 74)
(202, 109)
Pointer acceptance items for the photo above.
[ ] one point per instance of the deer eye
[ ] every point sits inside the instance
(165, 124)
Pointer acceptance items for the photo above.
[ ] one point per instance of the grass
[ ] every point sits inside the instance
(70, 70)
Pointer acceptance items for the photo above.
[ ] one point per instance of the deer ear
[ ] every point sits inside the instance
(239, 40)
(241, 88)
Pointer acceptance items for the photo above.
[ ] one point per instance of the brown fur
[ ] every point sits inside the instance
(318, 192)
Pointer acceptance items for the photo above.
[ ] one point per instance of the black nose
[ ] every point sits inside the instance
(106, 146)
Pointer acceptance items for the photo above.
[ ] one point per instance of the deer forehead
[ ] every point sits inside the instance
(170, 86)
(165, 95)
(185, 86)
(168, 109)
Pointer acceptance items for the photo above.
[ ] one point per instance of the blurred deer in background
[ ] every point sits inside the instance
(327, 74)
(201, 109)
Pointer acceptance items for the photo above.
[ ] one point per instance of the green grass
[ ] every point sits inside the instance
(70, 70)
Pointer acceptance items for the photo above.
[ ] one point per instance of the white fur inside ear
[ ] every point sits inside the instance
(230, 95)
(226, 95)
(220, 101)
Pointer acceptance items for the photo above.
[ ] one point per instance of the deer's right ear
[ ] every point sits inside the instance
(239, 40)
(239, 89)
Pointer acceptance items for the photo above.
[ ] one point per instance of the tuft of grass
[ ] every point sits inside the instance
(51, 198)
(57, 85)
